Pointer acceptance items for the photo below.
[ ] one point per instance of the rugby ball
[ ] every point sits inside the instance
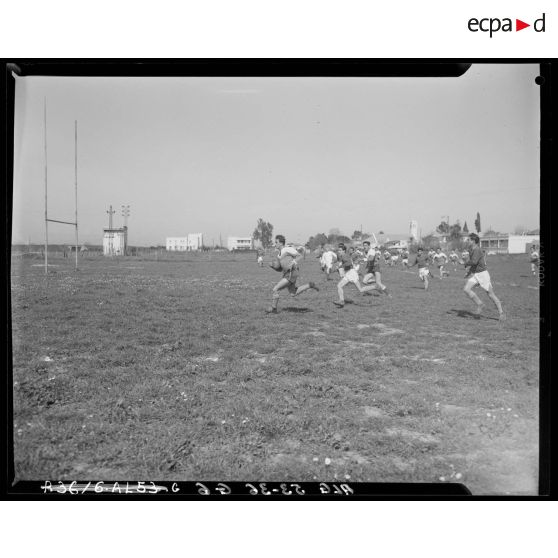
(276, 264)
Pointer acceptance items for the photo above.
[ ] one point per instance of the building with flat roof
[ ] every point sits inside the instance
(115, 241)
(240, 243)
(504, 243)
(193, 241)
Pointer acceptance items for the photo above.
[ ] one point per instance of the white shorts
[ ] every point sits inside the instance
(482, 279)
(405, 261)
(350, 276)
(423, 272)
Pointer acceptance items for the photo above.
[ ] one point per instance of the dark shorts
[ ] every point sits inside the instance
(291, 275)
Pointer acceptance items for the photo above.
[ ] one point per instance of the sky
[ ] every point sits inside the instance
(212, 155)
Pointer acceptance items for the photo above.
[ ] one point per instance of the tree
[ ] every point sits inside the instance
(520, 229)
(316, 241)
(443, 228)
(357, 235)
(455, 231)
(264, 233)
(478, 223)
(465, 228)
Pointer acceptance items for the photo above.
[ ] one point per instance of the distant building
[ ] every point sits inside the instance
(240, 243)
(495, 242)
(396, 244)
(387, 238)
(115, 241)
(177, 243)
(192, 241)
(504, 243)
(195, 241)
(521, 243)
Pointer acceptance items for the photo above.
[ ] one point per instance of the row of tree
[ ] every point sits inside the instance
(455, 230)
(264, 234)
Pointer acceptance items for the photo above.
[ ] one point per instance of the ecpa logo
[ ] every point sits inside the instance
(494, 24)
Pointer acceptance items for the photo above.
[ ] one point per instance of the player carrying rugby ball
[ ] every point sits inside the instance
(287, 263)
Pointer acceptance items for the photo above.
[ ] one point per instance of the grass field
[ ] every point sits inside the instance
(171, 370)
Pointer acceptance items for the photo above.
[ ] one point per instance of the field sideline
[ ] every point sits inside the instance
(171, 370)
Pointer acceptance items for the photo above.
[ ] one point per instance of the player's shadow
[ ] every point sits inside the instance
(467, 314)
(296, 310)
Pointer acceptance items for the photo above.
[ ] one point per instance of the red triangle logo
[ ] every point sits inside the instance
(519, 25)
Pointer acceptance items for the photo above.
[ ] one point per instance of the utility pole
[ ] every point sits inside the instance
(111, 234)
(46, 196)
(76, 191)
(110, 213)
(126, 214)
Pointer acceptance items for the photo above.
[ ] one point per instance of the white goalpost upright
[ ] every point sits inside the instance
(47, 220)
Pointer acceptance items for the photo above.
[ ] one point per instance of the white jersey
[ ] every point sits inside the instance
(440, 258)
(328, 258)
(288, 251)
(371, 254)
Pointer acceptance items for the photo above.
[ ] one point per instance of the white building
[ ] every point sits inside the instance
(115, 241)
(193, 241)
(503, 243)
(520, 243)
(240, 243)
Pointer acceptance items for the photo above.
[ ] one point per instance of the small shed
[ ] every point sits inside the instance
(115, 241)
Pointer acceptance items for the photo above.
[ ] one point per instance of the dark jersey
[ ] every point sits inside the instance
(477, 262)
(346, 262)
(422, 260)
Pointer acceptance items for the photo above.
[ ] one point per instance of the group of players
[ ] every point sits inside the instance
(348, 262)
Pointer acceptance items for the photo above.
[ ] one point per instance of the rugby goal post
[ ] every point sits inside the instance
(47, 220)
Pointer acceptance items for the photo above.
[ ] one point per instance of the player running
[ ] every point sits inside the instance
(373, 274)
(405, 257)
(348, 274)
(327, 260)
(454, 259)
(260, 258)
(478, 275)
(289, 258)
(387, 256)
(534, 257)
(440, 259)
(422, 262)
